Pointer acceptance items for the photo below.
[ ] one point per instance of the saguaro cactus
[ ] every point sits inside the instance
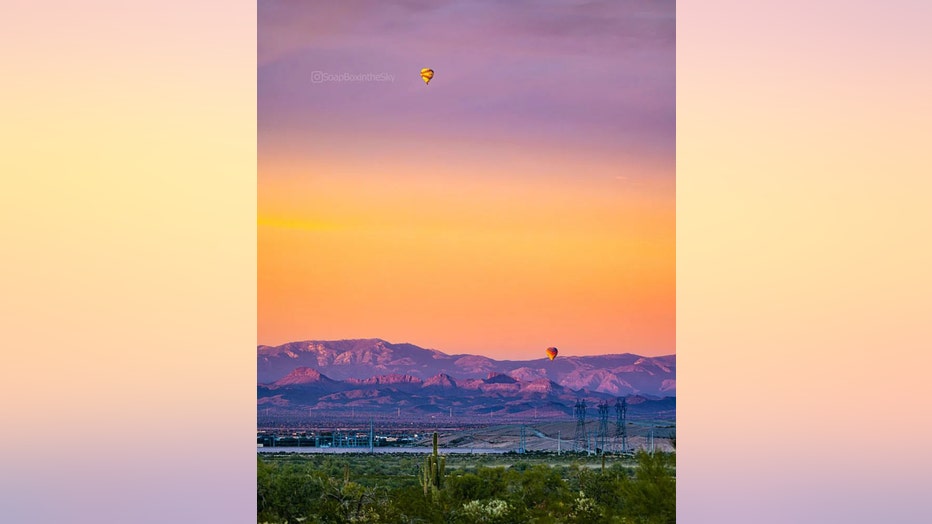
(432, 475)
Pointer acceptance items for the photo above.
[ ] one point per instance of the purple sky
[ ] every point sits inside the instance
(597, 76)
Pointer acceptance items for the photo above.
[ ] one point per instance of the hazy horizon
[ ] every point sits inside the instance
(524, 355)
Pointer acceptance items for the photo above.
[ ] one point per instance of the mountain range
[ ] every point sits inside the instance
(377, 375)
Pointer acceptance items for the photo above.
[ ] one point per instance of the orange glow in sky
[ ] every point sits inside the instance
(494, 264)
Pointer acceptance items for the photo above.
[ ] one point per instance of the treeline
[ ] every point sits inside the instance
(382, 489)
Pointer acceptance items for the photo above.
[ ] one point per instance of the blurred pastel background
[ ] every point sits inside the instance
(128, 281)
(128, 267)
(803, 284)
(524, 199)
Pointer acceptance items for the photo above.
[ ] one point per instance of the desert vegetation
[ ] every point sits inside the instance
(509, 488)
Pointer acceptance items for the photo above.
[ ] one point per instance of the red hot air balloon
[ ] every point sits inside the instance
(552, 353)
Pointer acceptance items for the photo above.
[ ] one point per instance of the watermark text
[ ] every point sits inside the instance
(319, 77)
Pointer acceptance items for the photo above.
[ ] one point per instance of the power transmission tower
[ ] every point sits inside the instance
(580, 441)
(621, 423)
(522, 445)
(603, 426)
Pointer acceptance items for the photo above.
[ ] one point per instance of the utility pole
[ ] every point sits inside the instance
(580, 439)
(621, 422)
(603, 426)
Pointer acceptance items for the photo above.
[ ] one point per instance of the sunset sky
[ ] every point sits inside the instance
(524, 199)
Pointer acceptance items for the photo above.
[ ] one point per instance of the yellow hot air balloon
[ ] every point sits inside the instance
(552, 353)
(426, 75)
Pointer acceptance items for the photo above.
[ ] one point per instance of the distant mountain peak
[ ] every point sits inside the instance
(499, 378)
(441, 380)
(301, 375)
